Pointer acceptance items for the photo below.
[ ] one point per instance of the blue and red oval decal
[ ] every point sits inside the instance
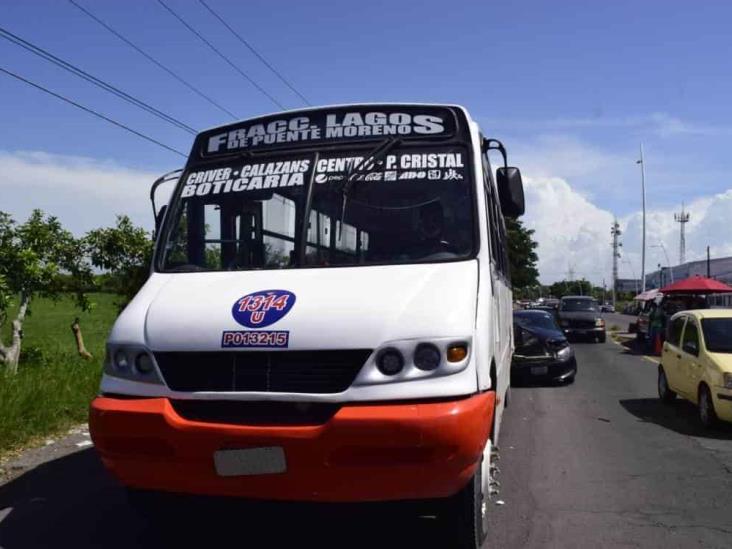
(263, 308)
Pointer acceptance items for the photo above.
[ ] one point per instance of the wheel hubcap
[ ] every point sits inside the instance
(485, 485)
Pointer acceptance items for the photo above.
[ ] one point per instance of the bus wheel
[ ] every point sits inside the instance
(467, 511)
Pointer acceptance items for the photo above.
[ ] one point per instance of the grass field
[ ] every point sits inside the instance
(54, 385)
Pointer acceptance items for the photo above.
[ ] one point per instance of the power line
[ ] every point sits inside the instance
(153, 60)
(90, 111)
(221, 55)
(73, 69)
(254, 51)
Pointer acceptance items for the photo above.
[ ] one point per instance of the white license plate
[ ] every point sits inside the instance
(539, 370)
(250, 461)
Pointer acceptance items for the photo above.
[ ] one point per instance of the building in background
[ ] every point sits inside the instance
(720, 269)
(628, 285)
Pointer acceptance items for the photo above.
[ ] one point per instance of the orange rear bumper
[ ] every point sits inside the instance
(365, 452)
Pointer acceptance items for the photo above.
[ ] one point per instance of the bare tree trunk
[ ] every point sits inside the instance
(76, 329)
(11, 354)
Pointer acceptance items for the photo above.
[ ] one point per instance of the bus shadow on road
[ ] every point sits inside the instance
(680, 416)
(73, 502)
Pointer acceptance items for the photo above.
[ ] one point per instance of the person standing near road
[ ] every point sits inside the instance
(655, 326)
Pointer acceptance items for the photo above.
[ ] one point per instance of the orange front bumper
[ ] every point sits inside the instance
(365, 452)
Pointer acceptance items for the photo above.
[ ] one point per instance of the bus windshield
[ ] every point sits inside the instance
(283, 211)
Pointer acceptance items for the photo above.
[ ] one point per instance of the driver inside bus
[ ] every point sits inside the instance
(430, 228)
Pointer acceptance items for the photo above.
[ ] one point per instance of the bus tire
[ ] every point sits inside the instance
(466, 513)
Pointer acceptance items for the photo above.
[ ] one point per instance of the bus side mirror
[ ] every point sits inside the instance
(160, 214)
(159, 217)
(510, 192)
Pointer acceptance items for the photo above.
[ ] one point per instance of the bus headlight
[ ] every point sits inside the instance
(131, 362)
(390, 362)
(427, 357)
(120, 360)
(144, 363)
(406, 360)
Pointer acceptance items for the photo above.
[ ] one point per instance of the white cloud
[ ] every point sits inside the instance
(708, 226)
(571, 231)
(82, 192)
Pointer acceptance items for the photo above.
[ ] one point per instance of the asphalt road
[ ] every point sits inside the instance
(600, 463)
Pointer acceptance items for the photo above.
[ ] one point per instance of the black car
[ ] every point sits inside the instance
(542, 352)
(579, 316)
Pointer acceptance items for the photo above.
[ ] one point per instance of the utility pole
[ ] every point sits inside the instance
(615, 232)
(643, 245)
(709, 265)
(682, 219)
(570, 276)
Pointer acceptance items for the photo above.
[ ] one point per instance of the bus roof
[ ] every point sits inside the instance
(334, 125)
(341, 106)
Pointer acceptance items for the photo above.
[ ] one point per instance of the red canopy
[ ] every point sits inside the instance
(697, 285)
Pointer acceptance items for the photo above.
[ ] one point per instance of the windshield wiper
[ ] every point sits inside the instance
(356, 170)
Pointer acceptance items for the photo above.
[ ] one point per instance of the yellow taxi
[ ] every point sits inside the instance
(696, 363)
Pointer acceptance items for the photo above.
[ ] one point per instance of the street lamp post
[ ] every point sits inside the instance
(643, 245)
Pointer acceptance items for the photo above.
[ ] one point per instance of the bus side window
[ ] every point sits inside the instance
(496, 227)
(490, 216)
(504, 249)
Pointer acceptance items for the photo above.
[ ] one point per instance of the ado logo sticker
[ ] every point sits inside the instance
(262, 308)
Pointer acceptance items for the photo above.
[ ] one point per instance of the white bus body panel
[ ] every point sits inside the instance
(335, 308)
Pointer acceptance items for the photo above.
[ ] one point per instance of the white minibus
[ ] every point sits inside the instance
(328, 316)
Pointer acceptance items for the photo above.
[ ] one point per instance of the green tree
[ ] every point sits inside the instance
(125, 252)
(37, 258)
(522, 255)
(577, 287)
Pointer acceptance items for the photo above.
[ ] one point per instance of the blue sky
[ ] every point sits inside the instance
(571, 87)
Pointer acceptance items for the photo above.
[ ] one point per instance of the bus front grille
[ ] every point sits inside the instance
(262, 371)
(256, 413)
